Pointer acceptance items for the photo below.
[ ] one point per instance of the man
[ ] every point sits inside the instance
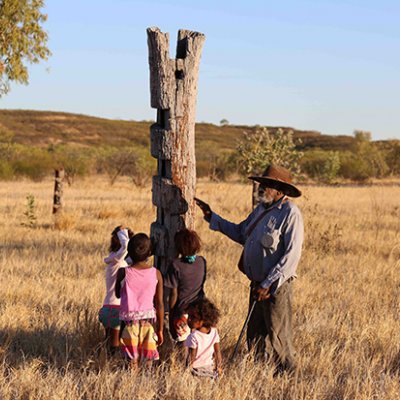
(272, 236)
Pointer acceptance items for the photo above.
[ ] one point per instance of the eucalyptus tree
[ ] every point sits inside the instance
(22, 40)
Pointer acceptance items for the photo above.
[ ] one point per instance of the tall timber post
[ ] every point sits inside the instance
(173, 87)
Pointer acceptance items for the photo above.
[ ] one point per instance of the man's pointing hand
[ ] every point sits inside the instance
(205, 208)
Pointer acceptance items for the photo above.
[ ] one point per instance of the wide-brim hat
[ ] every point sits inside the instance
(278, 178)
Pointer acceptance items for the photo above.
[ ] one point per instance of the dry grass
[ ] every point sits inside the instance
(346, 300)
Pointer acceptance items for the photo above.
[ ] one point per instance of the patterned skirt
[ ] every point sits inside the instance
(138, 340)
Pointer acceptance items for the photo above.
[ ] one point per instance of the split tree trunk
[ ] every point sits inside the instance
(58, 190)
(173, 86)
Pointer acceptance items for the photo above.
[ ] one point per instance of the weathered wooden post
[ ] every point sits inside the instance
(58, 190)
(254, 195)
(173, 87)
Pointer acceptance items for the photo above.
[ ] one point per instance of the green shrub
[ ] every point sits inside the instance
(374, 158)
(354, 167)
(33, 163)
(368, 160)
(221, 166)
(321, 165)
(6, 170)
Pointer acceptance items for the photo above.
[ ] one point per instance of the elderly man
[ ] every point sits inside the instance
(272, 236)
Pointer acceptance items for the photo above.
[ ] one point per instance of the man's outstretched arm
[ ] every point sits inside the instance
(236, 232)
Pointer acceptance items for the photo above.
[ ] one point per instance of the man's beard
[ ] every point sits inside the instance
(265, 200)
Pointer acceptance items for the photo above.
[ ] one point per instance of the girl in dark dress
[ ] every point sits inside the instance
(185, 278)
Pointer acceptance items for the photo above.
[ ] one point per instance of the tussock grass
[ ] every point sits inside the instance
(346, 303)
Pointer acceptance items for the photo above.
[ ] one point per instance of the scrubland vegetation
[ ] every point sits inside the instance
(33, 144)
(346, 300)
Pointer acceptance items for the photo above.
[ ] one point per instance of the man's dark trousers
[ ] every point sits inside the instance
(272, 320)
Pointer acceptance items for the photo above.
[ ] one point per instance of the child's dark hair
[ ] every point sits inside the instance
(204, 310)
(139, 247)
(115, 244)
(187, 242)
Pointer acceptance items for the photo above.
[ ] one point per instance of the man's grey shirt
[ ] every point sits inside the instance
(273, 249)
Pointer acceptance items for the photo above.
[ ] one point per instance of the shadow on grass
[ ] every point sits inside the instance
(47, 344)
(55, 346)
(84, 348)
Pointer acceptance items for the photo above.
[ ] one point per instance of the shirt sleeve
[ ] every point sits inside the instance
(236, 232)
(191, 342)
(171, 280)
(216, 340)
(293, 241)
(122, 251)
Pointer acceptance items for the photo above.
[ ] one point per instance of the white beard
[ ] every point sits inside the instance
(265, 200)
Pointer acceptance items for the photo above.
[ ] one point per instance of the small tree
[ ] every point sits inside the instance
(260, 148)
(224, 122)
(119, 162)
(132, 162)
(142, 171)
(362, 136)
(75, 162)
(369, 152)
(30, 212)
(22, 39)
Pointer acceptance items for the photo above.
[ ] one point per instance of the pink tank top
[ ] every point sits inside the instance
(137, 294)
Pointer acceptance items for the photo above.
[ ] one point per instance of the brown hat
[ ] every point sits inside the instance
(278, 178)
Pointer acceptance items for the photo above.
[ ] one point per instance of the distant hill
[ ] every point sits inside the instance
(42, 128)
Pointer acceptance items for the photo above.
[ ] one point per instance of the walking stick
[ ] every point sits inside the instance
(251, 309)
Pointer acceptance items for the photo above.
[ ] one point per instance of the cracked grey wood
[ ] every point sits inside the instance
(173, 88)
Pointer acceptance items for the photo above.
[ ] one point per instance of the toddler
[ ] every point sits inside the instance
(204, 354)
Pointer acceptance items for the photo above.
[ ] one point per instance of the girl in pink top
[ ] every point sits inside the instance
(204, 356)
(142, 304)
(109, 313)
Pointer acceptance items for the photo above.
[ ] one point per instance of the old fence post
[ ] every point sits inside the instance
(173, 87)
(58, 190)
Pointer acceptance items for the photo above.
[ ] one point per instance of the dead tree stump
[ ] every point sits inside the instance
(58, 190)
(173, 87)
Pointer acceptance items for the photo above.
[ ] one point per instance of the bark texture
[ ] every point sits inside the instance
(173, 87)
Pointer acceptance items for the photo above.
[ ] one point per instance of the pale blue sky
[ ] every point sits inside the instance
(332, 66)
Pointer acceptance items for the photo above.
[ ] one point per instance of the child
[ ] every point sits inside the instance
(109, 313)
(142, 289)
(185, 278)
(204, 356)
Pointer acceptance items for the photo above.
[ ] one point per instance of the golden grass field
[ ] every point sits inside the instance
(346, 300)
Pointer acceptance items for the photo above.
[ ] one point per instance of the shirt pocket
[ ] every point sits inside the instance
(270, 240)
